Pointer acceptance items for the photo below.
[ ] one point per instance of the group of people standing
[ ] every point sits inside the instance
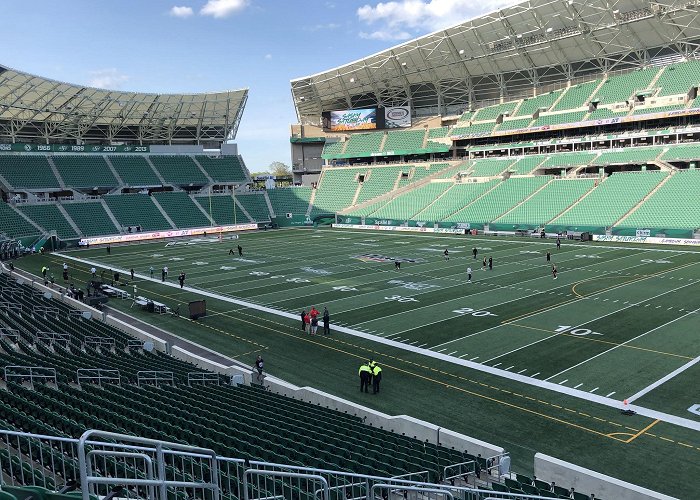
(310, 320)
(370, 373)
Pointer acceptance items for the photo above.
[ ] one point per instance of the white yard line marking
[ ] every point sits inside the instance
(533, 376)
(452, 353)
(511, 366)
(613, 392)
(593, 390)
(577, 386)
(523, 370)
(463, 356)
(663, 380)
(564, 381)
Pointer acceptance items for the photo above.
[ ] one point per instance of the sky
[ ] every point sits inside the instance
(212, 45)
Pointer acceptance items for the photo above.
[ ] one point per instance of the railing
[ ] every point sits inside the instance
(155, 377)
(45, 311)
(98, 375)
(134, 344)
(38, 373)
(96, 342)
(203, 377)
(9, 332)
(11, 307)
(53, 337)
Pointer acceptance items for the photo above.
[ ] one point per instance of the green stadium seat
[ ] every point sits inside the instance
(84, 172)
(134, 170)
(294, 200)
(541, 102)
(28, 172)
(678, 78)
(223, 210)
(50, 218)
(137, 210)
(91, 218)
(576, 96)
(181, 209)
(13, 225)
(179, 170)
(224, 169)
(256, 206)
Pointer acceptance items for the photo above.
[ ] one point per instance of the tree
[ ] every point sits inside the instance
(279, 169)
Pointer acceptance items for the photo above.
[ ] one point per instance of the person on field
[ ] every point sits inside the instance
(365, 373)
(258, 367)
(314, 312)
(307, 322)
(469, 275)
(549, 255)
(475, 251)
(314, 324)
(93, 272)
(303, 322)
(397, 265)
(326, 321)
(446, 254)
(181, 279)
(558, 243)
(490, 263)
(240, 251)
(483, 264)
(131, 271)
(554, 271)
(376, 378)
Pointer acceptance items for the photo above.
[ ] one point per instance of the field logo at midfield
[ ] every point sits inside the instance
(375, 257)
(695, 409)
(248, 261)
(411, 285)
(311, 270)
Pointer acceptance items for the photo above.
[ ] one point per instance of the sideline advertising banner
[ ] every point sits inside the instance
(397, 117)
(651, 240)
(159, 235)
(405, 229)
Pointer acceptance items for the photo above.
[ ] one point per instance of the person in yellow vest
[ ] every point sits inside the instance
(376, 378)
(365, 374)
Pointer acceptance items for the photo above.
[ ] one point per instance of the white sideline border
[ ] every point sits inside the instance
(584, 395)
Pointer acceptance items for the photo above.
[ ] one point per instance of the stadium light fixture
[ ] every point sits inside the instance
(352, 80)
(461, 51)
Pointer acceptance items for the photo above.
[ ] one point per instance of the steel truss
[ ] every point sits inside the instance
(533, 46)
(34, 109)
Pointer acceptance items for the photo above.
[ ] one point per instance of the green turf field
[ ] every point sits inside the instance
(515, 357)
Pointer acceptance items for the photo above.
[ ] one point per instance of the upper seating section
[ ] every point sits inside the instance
(137, 210)
(134, 170)
(493, 112)
(336, 190)
(569, 159)
(333, 149)
(91, 218)
(489, 167)
(409, 140)
(50, 218)
(223, 169)
(559, 118)
(612, 199)
(629, 156)
(179, 170)
(364, 144)
(577, 96)
(84, 172)
(181, 209)
(541, 102)
(620, 88)
(14, 225)
(682, 152)
(678, 78)
(28, 172)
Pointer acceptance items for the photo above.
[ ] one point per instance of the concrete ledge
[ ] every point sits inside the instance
(399, 424)
(587, 481)
(207, 364)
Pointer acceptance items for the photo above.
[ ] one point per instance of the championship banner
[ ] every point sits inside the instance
(397, 117)
(159, 235)
(651, 240)
(71, 148)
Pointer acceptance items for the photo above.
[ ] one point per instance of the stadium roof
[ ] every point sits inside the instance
(535, 43)
(33, 108)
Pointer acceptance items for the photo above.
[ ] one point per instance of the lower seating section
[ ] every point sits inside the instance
(674, 205)
(612, 199)
(91, 218)
(336, 190)
(502, 198)
(223, 209)
(181, 209)
(408, 204)
(294, 200)
(234, 421)
(84, 172)
(14, 225)
(548, 202)
(137, 210)
(180, 170)
(409, 140)
(566, 160)
(256, 206)
(422, 171)
(332, 149)
(454, 199)
(630, 156)
(134, 170)
(526, 164)
(476, 129)
(378, 181)
(515, 124)
(28, 172)
(224, 168)
(50, 218)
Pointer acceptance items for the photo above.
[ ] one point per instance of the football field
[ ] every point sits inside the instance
(619, 323)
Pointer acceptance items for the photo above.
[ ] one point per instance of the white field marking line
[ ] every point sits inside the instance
(495, 288)
(400, 288)
(626, 341)
(531, 295)
(613, 392)
(579, 385)
(563, 381)
(550, 241)
(673, 419)
(594, 389)
(549, 337)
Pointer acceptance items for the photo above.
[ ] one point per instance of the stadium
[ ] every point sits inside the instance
(501, 218)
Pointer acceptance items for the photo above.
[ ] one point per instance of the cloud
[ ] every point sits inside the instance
(223, 8)
(320, 27)
(386, 35)
(181, 12)
(268, 56)
(107, 78)
(398, 18)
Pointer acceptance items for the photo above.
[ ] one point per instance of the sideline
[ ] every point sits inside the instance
(593, 398)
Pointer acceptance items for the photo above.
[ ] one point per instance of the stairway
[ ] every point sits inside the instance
(55, 172)
(113, 170)
(69, 220)
(155, 170)
(111, 216)
(162, 211)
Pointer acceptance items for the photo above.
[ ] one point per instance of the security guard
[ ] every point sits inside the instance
(376, 378)
(365, 373)
(371, 363)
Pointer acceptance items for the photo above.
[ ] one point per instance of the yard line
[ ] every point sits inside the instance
(494, 366)
(589, 321)
(627, 341)
(577, 386)
(563, 381)
(613, 392)
(422, 345)
(533, 376)
(463, 355)
(511, 366)
(523, 370)
(442, 350)
(451, 353)
(593, 390)
(474, 358)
